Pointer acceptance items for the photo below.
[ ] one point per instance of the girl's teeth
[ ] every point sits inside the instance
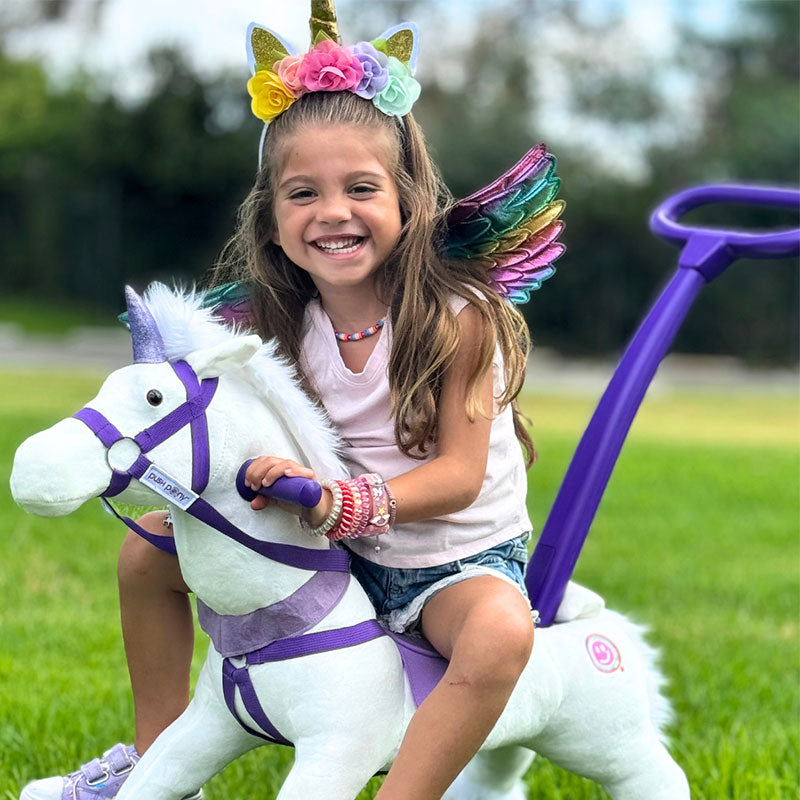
(342, 246)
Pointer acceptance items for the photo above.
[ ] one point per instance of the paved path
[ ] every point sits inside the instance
(106, 349)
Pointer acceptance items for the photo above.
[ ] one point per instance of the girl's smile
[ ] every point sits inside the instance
(337, 213)
(340, 245)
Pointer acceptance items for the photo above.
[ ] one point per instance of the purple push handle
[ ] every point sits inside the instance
(711, 250)
(302, 491)
(706, 255)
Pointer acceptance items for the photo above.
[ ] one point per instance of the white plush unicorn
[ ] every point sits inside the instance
(325, 677)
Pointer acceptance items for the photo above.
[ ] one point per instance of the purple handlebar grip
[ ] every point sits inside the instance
(302, 491)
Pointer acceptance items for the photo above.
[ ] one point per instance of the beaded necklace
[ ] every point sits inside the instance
(358, 335)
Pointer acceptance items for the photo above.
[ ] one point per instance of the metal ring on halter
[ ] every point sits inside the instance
(116, 459)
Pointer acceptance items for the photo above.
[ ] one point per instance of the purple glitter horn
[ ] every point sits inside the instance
(148, 346)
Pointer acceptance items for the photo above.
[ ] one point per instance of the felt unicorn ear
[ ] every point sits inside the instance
(402, 42)
(265, 47)
(211, 362)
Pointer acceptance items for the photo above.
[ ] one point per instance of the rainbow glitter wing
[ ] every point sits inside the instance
(512, 226)
(231, 301)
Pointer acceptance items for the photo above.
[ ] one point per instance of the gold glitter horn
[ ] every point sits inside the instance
(323, 20)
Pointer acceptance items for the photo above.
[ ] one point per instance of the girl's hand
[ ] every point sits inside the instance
(265, 470)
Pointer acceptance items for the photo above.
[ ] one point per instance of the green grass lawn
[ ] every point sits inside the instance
(697, 537)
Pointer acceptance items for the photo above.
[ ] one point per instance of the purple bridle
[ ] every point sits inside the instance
(192, 412)
(148, 348)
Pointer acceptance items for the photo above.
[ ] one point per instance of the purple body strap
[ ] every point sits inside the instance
(424, 665)
(238, 677)
(235, 635)
(294, 647)
(318, 642)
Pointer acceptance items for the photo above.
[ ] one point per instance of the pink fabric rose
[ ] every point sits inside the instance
(288, 70)
(329, 67)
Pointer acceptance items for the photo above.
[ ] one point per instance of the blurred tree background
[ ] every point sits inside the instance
(97, 190)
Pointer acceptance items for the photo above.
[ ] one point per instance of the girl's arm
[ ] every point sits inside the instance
(453, 479)
(449, 482)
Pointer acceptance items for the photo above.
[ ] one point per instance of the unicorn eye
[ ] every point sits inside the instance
(154, 397)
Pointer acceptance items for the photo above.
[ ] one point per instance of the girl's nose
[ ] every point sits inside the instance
(333, 210)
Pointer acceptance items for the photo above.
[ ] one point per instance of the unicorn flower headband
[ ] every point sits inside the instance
(381, 70)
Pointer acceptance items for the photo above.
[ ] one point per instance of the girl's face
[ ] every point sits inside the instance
(337, 212)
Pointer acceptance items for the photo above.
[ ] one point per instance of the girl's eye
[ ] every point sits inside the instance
(363, 189)
(302, 194)
(154, 397)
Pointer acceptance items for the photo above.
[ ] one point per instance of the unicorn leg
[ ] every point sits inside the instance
(200, 743)
(330, 774)
(652, 776)
(493, 775)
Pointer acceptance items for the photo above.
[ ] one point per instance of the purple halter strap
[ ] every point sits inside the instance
(192, 412)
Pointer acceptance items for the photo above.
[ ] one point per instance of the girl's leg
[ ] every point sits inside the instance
(483, 625)
(157, 631)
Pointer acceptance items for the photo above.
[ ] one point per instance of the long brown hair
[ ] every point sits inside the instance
(417, 281)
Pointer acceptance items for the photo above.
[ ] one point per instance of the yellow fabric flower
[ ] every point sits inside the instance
(270, 97)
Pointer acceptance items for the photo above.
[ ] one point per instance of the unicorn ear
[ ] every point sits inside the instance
(265, 47)
(402, 42)
(211, 362)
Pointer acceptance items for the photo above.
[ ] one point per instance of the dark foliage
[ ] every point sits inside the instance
(95, 193)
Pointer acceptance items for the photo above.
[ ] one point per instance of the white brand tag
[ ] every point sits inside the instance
(165, 485)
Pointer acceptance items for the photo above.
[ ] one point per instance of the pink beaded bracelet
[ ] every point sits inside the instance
(368, 508)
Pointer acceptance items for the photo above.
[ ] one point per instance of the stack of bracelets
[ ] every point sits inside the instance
(362, 506)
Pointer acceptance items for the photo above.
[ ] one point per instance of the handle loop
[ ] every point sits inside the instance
(712, 250)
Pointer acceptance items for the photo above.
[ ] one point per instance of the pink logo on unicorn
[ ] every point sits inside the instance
(603, 653)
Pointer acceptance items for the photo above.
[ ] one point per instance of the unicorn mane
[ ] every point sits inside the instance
(185, 325)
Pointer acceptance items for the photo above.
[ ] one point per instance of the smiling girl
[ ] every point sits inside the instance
(418, 362)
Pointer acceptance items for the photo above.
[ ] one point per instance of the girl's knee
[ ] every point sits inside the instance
(493, 649)
(137, 557)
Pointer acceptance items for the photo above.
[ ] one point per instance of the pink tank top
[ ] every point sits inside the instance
(359, 404)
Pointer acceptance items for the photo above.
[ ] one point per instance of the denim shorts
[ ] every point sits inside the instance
(394, 588)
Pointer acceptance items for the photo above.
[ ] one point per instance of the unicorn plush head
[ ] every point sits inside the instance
(155, 407)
